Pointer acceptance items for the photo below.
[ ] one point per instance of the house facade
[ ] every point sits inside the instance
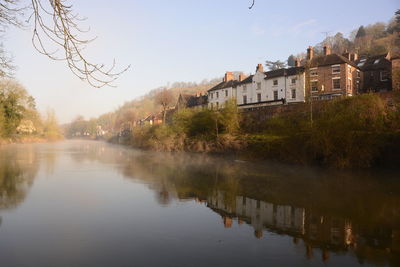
(271, 88)
(375, 74)
(222, 92)
(198, 101)
(331, 75)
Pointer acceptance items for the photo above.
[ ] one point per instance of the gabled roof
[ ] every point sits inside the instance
(222, 85)
(373, 63)
(331, 59)
(192, 100)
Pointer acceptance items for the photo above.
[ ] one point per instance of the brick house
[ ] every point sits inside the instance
(331, 75)
(376, 73)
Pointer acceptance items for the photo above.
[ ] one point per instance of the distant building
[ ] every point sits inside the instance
(222, 92)
(198, 101)
(331, 75)
(376, 74)
(275, 87)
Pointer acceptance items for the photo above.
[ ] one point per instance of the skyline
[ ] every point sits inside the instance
(171, 42)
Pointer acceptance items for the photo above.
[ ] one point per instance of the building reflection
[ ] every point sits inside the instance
(324, 212)
(317, 231)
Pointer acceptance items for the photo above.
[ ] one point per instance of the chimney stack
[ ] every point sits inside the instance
(346, 54)
(241, 77)
(327, 50)
(260, 68)
(297, 62)
(353, 56)
(310, 52)
(228, 76)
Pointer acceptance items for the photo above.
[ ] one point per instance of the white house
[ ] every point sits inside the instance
(286, 85)
(250, 90)
(271, 88)
(222, 92)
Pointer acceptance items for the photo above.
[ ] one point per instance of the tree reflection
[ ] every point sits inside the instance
(18, 169)
(328, 211)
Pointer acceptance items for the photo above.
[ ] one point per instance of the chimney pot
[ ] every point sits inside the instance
(260, 68)
(327, 50)
(297, 62)
(228, 76)
(241, 77)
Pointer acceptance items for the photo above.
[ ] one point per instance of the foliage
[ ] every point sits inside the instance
(274, 65)
(18, 114)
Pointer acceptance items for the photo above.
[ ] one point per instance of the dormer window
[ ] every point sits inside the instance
(335, 69)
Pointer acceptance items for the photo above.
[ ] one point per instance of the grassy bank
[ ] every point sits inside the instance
(356, 132)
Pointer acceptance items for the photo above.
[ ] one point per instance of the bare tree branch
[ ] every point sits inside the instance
(56, 34)
(252, 4)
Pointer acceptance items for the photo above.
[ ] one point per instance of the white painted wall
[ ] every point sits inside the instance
(224, 95)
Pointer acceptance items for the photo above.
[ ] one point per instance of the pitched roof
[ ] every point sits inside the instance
(247, 80)
(331, 59)
(373, 63)
(283, 72)
(222, 85)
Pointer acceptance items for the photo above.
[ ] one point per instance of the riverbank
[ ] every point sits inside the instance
(27, 140)
(357, 132)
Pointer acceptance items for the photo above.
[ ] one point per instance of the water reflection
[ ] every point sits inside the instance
(333, 212)
(18, 168)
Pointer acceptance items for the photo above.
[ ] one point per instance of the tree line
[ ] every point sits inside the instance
(370, 40)
(19, 116)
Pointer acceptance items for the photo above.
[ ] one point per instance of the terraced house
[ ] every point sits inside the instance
(332, 75)
(275, 87)
(222, 92)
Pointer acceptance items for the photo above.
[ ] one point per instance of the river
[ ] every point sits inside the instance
(89, 203)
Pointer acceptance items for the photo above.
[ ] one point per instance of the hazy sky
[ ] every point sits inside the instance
(181, 40)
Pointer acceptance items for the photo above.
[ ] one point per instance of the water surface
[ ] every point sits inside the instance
(87, 203)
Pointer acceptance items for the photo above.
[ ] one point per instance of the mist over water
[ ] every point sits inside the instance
(88, 203)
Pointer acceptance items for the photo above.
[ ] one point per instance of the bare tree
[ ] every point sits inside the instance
(56, 25)
(165, 99)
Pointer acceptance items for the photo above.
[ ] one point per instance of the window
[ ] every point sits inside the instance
(314, 72)
(217, 94)
(314, 86)
(275, 95)
(376, 61)
(212, 106)
(275, 82)
(226, 93)
(293, 93)
(258, 86)
(244, 88)
(384, 75)
(294, 81)
(336, 83)
(358, 74)
(245, 99)
(258, 97)
(217, 104)
(335, 69)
